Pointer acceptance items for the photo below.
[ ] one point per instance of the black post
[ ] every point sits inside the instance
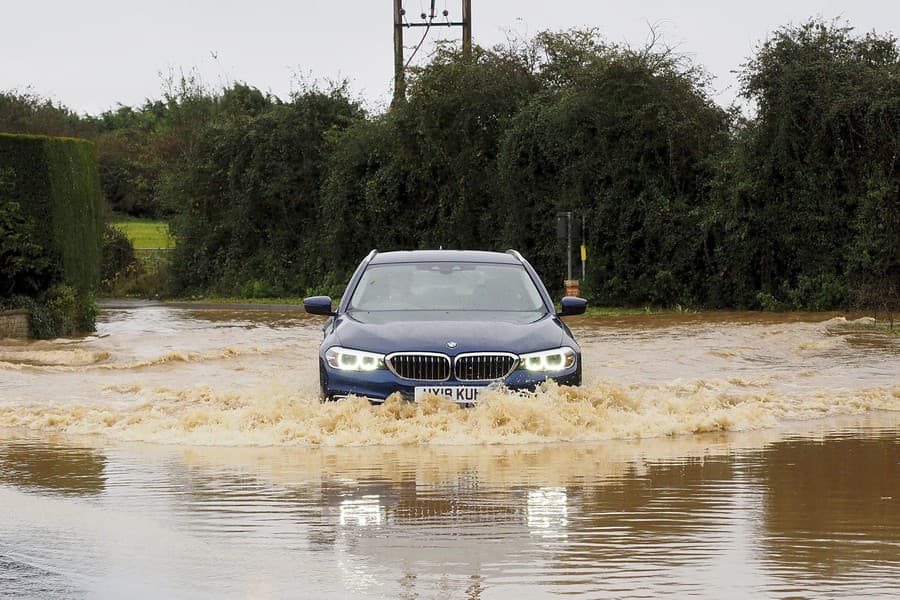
(569, 244)
(583, 248)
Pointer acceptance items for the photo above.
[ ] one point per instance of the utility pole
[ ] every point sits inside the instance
(467, 29)
(428, 20)
(399, 82)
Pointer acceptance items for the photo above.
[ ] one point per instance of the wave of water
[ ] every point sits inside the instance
(181, 377)
(271, 417)
(76, 359)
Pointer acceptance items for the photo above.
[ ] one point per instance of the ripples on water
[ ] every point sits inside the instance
(775, 513)
(684, 470)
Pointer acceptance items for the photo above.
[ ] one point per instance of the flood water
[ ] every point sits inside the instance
(182, 453)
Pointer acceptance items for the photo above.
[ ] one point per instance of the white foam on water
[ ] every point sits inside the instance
(208, 382)
(275, 416)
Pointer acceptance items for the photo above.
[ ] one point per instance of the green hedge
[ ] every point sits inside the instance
(56, 183)
(50, 217)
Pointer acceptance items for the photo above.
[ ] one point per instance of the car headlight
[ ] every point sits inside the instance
(558, 359)
(353, 360)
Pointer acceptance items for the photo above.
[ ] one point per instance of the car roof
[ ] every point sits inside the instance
(415, 256)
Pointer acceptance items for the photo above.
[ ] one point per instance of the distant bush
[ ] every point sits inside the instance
(24, 112)
(57, 312)
(251, 222)
(258, 289)
(117, 255)
(818, 292)
(139, 283)
(768, 302)
(334, 284)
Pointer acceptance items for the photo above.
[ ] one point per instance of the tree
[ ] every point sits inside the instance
(822, 148)
(425, 174)
(625, 137)
(251, 191)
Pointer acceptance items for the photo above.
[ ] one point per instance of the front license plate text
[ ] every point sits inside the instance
(458, 393)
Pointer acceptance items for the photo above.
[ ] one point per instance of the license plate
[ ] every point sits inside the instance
(464, 394)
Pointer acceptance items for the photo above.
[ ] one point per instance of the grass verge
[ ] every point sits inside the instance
(144, 233)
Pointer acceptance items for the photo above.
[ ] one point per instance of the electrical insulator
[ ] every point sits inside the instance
(423, 15)
(446, 12)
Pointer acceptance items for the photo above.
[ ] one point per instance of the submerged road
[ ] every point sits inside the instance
(181, 452)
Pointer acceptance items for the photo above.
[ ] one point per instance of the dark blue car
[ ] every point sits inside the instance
(444, 322)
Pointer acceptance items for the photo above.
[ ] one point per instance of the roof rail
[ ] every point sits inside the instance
(516, 254)
(371, 255)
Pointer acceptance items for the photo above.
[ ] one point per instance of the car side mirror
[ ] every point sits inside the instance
(572, 306)
(318, 305)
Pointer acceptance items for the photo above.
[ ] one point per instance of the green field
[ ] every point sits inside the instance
(146, 234)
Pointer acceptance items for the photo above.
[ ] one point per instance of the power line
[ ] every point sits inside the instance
(416, 49)
(401, 23)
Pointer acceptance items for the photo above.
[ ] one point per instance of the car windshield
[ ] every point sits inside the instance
(446, 286)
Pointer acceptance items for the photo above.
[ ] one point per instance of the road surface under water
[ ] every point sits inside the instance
(182, 452)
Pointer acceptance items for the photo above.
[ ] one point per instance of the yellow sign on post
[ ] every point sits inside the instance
(583, 253)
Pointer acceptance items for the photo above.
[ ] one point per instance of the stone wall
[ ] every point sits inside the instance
(14, 323)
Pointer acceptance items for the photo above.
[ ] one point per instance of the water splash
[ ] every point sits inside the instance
(277, 417)
(206, 381)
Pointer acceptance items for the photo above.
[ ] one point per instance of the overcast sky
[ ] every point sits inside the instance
(94, 54)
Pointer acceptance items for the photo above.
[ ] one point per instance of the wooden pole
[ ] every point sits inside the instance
(467, 29)
(399, 83)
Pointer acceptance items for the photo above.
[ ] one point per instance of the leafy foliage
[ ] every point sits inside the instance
(49, 229)
(254, 188)
(25, 112)
(118, 254)
(625, 139)
(24, 266)
(425, 175)
(811, 195)
(58, 311)
(682, 202)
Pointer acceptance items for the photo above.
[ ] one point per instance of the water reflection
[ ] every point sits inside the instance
(831, 506)
(62, 469)
(765, 513)
(547, 509)
(363, 512)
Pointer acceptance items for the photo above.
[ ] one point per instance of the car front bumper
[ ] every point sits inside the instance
(378, 385)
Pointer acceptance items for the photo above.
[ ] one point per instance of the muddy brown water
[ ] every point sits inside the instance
(182, 453)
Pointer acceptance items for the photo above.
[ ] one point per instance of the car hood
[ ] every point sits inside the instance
(430, 331)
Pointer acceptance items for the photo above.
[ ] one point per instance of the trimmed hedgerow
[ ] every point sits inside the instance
(77, 209)
(51, 221)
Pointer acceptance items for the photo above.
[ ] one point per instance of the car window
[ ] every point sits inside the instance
(446, 286)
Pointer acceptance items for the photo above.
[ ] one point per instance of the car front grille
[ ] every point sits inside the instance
(484, 366)
(419, 366)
